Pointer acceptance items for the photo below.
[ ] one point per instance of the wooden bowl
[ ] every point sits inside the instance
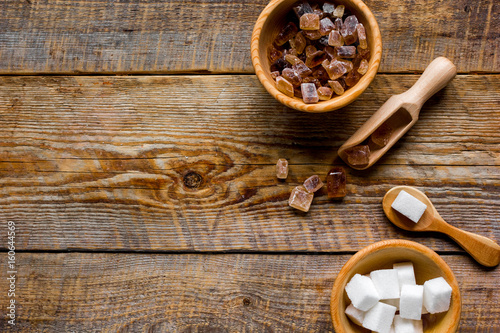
(273, 19)
(427, 264)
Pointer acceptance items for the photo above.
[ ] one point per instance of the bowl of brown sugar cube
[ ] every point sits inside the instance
(316, 56)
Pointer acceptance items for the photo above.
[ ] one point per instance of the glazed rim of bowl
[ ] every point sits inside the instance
(364, 14)
(348, 270)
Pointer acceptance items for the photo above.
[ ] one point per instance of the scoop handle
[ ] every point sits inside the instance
(435, 77)
(482, 249)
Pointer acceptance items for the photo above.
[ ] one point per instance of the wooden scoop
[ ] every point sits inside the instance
(401, 111)
(482, 249)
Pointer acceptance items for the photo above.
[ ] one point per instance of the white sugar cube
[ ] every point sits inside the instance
(393, 302)
(355, 315)
(362, 292)
(402, 325)
(379, 318)
(406, 274)
(386, 282)
(409, 206)
(437, 295)
(410, 304)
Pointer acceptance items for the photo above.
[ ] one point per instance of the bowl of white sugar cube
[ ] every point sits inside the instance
(395, 286)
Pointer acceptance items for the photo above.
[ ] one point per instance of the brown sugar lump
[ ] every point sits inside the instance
(309, 93)
(298, 43)
(363, 67)
(336, 182)
(313, 183)
(335, 38)
(300, 199)
(289, 31)
(380, 137)
(360, 29)
(284, 86)
(309, 22)
(325, 26)
(358, 155)
(282, 168)
(348, 30)
(336, 87)
(324, 93)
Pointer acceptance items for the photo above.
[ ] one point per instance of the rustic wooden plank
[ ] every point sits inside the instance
(109, 292)
(102, 163)
(159, 36)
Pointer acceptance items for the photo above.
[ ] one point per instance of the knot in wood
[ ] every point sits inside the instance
(192, 179)
(246, 301)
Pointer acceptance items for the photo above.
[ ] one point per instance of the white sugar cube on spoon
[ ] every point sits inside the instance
(409, 206)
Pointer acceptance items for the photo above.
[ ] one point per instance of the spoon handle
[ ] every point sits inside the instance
(435, 77)
(484, 250)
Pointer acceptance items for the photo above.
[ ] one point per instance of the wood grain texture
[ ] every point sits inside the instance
(134, 163)
(84, 292)
(87, 36)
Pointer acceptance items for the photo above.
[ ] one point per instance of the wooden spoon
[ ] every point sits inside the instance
(482, 249)
(401, 111)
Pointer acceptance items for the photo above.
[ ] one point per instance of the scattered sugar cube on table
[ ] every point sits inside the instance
(386, 282)
(402, 325)
(409, 206)
(410, 304)
(379, 318)
(406, 273)
(355, 315)
(437, 295)
(362, 292)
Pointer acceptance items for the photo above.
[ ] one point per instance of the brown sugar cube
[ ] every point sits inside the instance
(360, 28)
(324, 93)
(284, 86)
(298, 42)
(335, 38)
(309, 93)
(293, 59)
(291, 76)
(297, 92)
(302, 70)
(364, 53)
(311, 79)
(346, 51)
(347, 64)
(328, 8)
(380, 137)
(339, 11)
(315, 59)
(335, 69)
(302, 9)
(331, 52)
(336, 87)
(348, 30)
(312, 34)
(325, 26)
(352, 78)
(309, 22)
(358, 155)
(335, 183)
(338, 24)
(275, 74)
(310, 49)
(282, 168)
(287, 33)
(300, 199)
(274, 53)
(363, 67)
(313, 183)
(320, 74)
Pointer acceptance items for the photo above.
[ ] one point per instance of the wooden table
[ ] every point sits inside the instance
(137, 162)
